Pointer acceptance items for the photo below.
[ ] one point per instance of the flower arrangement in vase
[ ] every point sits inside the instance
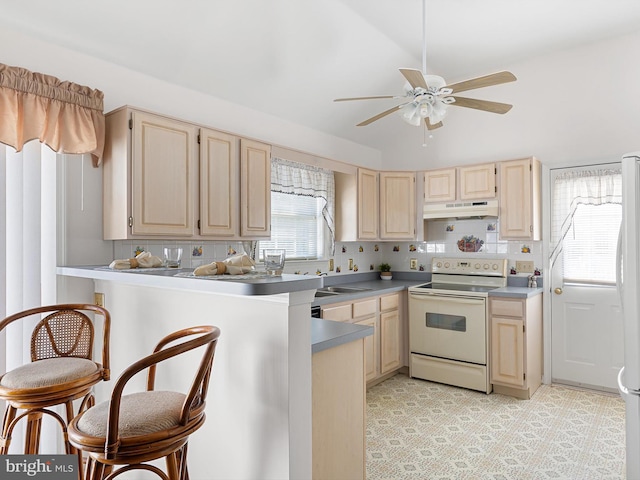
(385, 271)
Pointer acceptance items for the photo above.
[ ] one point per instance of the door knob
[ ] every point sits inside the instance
(558, 291)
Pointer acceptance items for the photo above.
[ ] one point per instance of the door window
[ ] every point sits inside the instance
(589, 253)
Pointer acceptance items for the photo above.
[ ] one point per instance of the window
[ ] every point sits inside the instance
(297, 226)
(302, 209)
(586, 216)
(589, 253)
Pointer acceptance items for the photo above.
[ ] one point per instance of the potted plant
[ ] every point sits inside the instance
(385, 271)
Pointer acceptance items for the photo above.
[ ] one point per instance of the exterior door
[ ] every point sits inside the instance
(586, 317)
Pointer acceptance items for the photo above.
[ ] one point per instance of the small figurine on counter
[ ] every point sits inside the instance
(513, 271)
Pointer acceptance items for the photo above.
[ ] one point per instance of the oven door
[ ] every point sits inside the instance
(446, 326)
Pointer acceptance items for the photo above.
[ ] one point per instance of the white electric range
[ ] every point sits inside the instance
(448, 322)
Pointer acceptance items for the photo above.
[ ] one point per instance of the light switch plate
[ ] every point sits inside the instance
(524, 266)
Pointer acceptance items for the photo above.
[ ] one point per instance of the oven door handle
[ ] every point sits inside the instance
(452, 299)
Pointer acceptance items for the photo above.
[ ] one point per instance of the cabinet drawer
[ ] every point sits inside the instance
(389, 302)
(366, 307)
(508, 308)
(340, 313)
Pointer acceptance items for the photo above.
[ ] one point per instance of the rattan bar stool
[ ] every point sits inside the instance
(62, 370)
(129, 430)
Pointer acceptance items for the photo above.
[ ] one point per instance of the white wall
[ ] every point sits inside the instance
(574, 106)
(122, 86)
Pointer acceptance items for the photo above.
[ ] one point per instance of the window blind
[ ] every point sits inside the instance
(296, 226)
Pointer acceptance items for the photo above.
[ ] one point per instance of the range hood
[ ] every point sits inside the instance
(460, 210)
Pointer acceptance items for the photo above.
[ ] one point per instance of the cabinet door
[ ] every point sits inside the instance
(507, 351)
(371, 348)
(164, 175)
(389, 341)
(515, 199)
(367, 204)
(219, 182)
(255, 190)
(477, 181)
(440, 185)
(397, 205)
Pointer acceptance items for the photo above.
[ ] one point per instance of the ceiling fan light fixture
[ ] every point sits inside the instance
(410, 113)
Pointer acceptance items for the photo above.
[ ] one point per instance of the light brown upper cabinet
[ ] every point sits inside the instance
(357, 205)
(477, 182)
(150, 176)
(158, 182)
(368, 204)
(440, 185)
(474, 182)
(397, 205)
(255, 189)
(219, 184)
(520, 199)
(375, 205)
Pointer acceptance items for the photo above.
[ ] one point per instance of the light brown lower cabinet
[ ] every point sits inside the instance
(338, 412)
(516, 345)
(383, 349)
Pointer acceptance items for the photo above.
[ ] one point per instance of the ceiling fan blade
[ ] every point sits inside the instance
(432, 126)
(486, 105)
(414, 77)
(364, 98)
(486, 81)
(380, 115)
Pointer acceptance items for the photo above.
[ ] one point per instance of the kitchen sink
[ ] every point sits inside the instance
(322, 293)
(337, 289)
(331, 291)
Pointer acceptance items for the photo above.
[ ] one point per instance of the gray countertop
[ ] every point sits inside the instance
(381, 287)
(256, 284)
(327, 334)
(516, 292)
(260, 284)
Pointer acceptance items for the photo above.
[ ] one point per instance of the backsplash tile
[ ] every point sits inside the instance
(442, 237)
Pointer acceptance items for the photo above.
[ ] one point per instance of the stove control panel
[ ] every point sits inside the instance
(485, 266)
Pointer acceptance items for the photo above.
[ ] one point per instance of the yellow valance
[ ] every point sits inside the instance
(67, 117)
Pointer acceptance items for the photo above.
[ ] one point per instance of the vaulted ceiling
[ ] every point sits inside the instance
(291, 58)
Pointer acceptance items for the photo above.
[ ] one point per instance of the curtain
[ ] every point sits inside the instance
(300, 179)
(595, 186)
(27, 257)
(67, 117)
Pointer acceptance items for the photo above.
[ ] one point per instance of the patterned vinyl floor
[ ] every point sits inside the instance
(419, 430)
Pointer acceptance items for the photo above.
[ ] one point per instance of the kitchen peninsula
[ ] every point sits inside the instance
(259, 408)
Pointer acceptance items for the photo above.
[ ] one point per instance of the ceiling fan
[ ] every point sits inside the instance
(429, 96)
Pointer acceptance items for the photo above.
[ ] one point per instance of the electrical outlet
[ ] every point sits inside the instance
(98, 299)
(523, 266)
(331, 264)
(413, 264)
(351, 264)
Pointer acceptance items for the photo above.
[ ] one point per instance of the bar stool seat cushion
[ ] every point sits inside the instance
(48, 372)
(140, 414)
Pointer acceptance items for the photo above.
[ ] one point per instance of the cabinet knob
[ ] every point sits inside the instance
(558, 291)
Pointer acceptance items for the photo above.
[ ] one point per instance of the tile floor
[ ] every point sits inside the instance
(422, 430)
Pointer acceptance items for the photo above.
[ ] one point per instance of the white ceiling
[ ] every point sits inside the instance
(291, 58)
